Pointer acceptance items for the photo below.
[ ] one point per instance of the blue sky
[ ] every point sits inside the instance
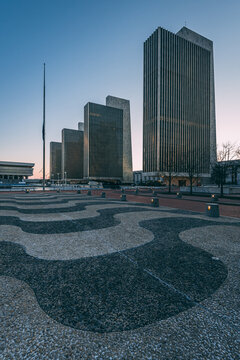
(93, 49)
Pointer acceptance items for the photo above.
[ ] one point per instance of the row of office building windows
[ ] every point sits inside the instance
(176, 104)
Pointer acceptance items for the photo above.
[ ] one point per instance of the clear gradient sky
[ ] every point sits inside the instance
(94, 48)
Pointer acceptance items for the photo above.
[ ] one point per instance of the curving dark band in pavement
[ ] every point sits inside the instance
(106, 219)
(124, 290)
(43, 202)
(79, 207)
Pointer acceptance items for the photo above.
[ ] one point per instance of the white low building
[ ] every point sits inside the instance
(11, 172)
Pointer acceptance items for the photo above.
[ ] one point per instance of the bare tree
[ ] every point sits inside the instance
(227, 152)
(169, 166)
(225, 156)
(196, 160)
(237, 152)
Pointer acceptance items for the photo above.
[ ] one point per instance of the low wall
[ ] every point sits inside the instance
(227, 190)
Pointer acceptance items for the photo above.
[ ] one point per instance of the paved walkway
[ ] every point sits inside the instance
(186, 203)
(83, 277)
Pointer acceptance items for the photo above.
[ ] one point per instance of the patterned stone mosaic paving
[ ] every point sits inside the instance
(93, 271)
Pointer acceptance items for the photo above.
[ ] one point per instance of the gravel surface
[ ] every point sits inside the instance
(133, 282)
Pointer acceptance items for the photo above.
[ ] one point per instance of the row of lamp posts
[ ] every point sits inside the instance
(58, 178)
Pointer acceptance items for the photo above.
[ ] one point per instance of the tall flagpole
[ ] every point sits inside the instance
(43, 128)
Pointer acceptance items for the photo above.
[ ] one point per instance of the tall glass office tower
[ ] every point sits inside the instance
(179, 127)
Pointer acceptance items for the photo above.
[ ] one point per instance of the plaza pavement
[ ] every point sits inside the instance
(82, 277)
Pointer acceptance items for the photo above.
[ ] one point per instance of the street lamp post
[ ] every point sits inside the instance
(65, 175)
(58, 178)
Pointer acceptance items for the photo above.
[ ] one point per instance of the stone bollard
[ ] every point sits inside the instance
(103, 195)
(136, 192)
(155, 202)
(214, 198)
(89, 193)
(79, 192)
(212, 210)
(179, 195)
(123, 197)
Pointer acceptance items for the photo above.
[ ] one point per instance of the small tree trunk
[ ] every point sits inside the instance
(191, 181)
(169, 184)
(221, 189)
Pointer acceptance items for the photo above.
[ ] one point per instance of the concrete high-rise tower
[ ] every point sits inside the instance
(179, 127)
(127, 144)
(103, 142)
(55, 160)
(72, 153)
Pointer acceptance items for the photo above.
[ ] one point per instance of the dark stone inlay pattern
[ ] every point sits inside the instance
(74, 208)
(111, 292)
(43, 202)
(106, 219)
(189, 269)
(79, 207)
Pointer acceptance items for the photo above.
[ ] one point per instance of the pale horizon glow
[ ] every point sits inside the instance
(93, 49)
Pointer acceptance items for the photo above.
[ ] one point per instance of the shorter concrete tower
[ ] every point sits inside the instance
(103, 142)
(127, 144)
(55, 160)
(72, 154)
(81, 126)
